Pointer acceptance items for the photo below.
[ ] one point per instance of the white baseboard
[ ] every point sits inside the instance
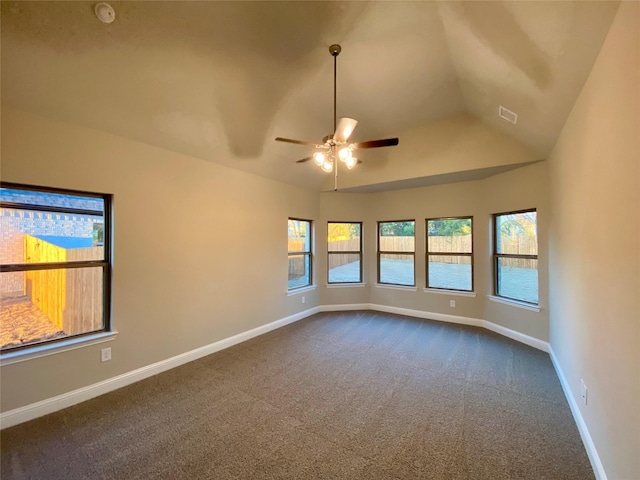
(443, 317)
(517, 336)
(589, 446)
(345, 307)
(50, 405)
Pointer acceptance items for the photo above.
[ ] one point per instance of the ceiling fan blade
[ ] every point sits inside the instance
(344, 129)
(302, 160)
(298, 142)
(387, 142)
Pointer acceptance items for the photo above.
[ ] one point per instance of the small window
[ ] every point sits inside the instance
(344, 247)
(55, 262)
(299, 253)
(450, 253)
(516, 255)
(396, 252)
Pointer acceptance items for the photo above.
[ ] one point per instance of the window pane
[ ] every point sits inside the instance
(397, 237)
(449, 271)
(299, 271)
(518, 279)
(46, 199)
(44, 237)
(47, 304)
(517, 233)
(397, 269)
(299, 236)
(449, 235)
(343, 237)
(344, 268)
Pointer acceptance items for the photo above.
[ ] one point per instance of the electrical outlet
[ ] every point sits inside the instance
(583, 391)
(452, 303)
(302, 299)
(105, 354)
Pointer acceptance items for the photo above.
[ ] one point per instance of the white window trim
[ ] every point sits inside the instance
(45, 349)
(396, 287)
(514, 303)
(444, 291)
(300, 290)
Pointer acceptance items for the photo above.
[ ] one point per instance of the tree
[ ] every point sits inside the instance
(448, 227)
(397, 229)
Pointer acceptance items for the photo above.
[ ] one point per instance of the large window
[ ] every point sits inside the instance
(55, 265)
(344, 252)
(299, 253)
(516, 255)
(396, 252)
(450, 253)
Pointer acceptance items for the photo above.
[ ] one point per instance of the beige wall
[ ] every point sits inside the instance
(523, 188)
(199, 253)
(595, 250)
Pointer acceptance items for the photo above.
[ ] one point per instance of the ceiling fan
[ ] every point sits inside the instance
(335, 147)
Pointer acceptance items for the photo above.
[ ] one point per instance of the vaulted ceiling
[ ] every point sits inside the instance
(220, 80)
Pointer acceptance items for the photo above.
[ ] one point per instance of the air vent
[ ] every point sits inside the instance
(508, 115)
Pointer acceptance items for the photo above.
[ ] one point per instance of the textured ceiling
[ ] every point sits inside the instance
(220, 80)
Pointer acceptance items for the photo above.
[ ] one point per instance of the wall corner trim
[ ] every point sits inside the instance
(589, 446)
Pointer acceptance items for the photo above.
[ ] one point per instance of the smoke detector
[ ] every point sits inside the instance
(105, 12)
(508, 115)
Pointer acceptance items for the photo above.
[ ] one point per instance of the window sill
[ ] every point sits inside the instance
(514, 303)
(442, 291)
(396, 287)
(343, 285)
(44, 350)
(300, 290)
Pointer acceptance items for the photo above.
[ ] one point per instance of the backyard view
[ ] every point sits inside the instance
(48, 289)
(299, 246)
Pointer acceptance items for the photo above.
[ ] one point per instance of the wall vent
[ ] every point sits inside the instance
(508, 115)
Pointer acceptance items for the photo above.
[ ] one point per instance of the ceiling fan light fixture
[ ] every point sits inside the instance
(351, 162)
(344, 154)
(319, 158)
(327, 166)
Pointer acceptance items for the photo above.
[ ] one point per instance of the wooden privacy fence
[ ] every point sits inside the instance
(339, 259)
(520, 244)
(297, 265)
(71, 298)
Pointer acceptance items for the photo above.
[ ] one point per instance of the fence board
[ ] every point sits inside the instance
(70, 298)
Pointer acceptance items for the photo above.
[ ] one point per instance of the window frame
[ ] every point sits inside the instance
(105, 263)
(344, 252)
(306, 253)
(497, 256)
(450, 254)
(385, 252)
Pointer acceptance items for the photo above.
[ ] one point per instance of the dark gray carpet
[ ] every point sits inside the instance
(338, 395)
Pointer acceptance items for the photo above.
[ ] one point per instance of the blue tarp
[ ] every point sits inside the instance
(68, 242)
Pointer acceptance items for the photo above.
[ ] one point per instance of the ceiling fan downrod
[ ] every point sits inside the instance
(335, 50)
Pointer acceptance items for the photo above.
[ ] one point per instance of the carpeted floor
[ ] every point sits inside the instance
(353, 395)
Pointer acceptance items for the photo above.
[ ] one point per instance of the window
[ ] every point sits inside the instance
(344, 257)
(516, 256)
(55, 265)
(299, 253)
(450, 253)
(396, 252)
